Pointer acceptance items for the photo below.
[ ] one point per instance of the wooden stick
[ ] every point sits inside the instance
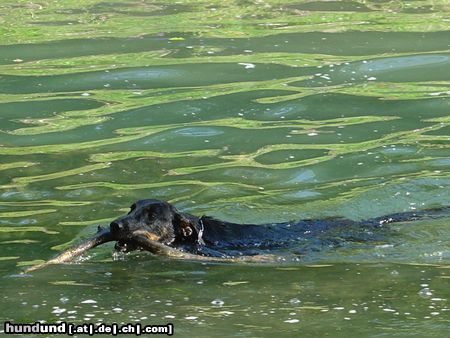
(103, 236)
(164, 250)
(155, 247)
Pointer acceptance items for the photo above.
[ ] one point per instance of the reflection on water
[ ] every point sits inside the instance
(246, 111)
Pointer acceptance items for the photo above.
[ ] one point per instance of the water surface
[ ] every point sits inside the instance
(248, 111)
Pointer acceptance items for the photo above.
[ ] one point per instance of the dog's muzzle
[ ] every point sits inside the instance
(119, 229)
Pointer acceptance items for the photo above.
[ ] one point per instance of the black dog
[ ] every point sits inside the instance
(160, 221)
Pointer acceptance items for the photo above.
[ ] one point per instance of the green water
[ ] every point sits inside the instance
(249, 111)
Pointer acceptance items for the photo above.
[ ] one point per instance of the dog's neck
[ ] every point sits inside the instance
(214, 232)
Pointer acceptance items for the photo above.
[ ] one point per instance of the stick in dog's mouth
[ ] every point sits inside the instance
(104, 236)
(144, 241)
(139, 237)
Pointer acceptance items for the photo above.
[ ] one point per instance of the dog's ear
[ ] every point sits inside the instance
(183, 225)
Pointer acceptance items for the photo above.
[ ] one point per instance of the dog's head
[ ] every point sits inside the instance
(156, 220)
